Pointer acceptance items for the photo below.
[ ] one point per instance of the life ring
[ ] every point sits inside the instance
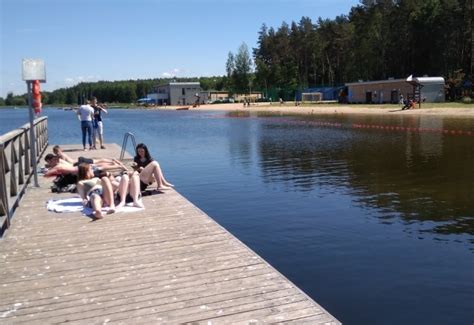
(36, 97)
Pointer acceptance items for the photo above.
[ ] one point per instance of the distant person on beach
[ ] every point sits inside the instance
(197, 103)
(149, 169)
(97, 124)
(409, 104)
(85, 114)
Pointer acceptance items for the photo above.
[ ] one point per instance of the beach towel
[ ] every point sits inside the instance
(74, 204)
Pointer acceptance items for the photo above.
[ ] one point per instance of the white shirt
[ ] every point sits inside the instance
(85, 112)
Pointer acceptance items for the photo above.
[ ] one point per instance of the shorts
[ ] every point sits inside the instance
(81, 160)
(143, 186)
(99, 126)
(96, 191)
(128, 198)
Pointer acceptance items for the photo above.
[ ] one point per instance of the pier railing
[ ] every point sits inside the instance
(16, 166)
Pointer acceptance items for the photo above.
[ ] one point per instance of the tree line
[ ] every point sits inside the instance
(127, 91)
(377, 40)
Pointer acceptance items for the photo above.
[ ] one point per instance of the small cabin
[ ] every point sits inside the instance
(431, 90)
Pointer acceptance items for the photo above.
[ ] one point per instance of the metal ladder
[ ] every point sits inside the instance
(124, 143)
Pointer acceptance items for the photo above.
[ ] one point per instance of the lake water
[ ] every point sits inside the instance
(375, 223)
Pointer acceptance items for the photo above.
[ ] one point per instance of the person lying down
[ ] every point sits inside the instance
(57, 166)
(114, 193)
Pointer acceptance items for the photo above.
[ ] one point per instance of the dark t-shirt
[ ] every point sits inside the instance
(141, 163)
(97, 114)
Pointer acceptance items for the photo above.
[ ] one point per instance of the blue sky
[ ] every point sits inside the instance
(90, 40)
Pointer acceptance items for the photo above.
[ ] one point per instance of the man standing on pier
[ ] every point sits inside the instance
(85, 114)
(97, 122)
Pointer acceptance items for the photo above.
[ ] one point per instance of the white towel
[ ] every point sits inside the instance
(74, 204)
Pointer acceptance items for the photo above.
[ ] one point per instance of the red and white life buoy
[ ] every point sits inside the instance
(36, 97)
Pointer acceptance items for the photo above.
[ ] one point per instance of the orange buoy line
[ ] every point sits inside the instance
(413, 129)
(382, 127)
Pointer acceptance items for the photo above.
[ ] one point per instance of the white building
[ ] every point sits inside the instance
(178, 93)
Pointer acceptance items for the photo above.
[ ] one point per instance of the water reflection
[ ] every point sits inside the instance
(422, 177)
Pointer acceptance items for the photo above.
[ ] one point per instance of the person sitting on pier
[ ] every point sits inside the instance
(149, 169)
(95, 192)
(127, 188)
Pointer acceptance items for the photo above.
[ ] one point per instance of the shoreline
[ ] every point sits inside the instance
(331, 109)
(453, 110)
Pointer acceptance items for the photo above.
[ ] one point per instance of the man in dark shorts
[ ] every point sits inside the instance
(97, 124)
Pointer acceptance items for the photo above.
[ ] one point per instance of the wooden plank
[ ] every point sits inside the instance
(168, 263)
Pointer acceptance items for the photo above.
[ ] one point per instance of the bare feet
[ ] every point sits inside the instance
(138, 204)
(118, 162)
(98, 214)
(120, 205)
(163, 188)
(168, 184)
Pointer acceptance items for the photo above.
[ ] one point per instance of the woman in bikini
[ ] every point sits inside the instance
(95, 192)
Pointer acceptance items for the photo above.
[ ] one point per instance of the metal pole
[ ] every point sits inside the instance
(32, 134)
(472, 44)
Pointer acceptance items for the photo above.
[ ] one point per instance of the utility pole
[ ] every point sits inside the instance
(33, 70)
(472, 41)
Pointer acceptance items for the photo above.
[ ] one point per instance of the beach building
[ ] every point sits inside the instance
(254, 96)
(178, 93)
(218, 96)
(429, 89)
(325, 93)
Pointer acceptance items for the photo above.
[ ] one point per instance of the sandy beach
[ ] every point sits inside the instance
(455, 110)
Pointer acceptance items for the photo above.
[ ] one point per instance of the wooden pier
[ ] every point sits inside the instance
(167, 264)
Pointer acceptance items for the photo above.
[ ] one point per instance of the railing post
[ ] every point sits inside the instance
(4, 210)
(13, 183)
(27, 154)
(21, 152)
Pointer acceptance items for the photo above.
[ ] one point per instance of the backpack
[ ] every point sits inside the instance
(64, 183)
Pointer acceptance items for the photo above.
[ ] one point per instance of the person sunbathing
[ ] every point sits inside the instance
(95, 192)
(58, 151)
(58, 166)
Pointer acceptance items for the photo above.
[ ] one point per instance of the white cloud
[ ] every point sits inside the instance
(172, 73)
(70, 81)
